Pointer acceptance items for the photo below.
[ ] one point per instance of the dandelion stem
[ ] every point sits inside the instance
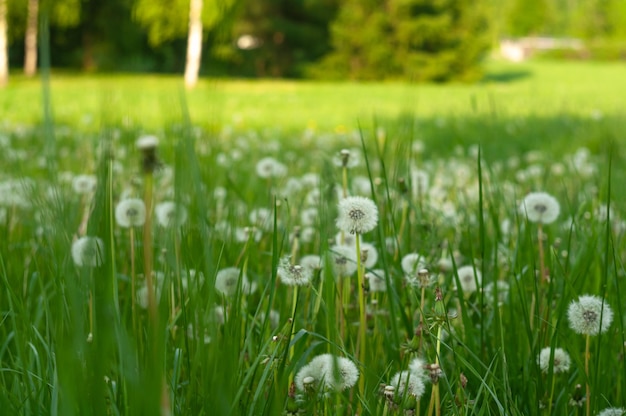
(293, 317)
(362, 323)
(147, 249)
(587, 388)
(133, 296)
(434, 398)
(90, 313)
(551, 394)
(542, 262)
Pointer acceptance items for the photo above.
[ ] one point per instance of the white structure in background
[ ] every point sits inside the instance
(517, 50)
(247, 42)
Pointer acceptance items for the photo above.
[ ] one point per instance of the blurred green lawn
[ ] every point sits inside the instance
(536, 88)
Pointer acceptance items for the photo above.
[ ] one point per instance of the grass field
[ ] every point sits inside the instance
(229, 271)
(538, 89)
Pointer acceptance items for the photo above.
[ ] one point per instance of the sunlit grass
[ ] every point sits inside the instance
(478, 303)
(538, 89)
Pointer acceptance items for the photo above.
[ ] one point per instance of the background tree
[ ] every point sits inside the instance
(168, 20)
(4, 44)
(288, 35)
(30, 39)
(529, 17)
(411, 39)
(194, 43)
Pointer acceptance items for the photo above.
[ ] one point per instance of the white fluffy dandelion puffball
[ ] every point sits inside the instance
(88, 251)
(560, 362)
(130, 212)
(294, 274)
(540, 207)
(147, 141)
(357, 215)
(407, 383)
(589, 315)
(321, 371)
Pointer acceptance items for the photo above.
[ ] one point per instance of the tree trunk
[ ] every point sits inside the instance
(4, 44)
(30, 41)
(194, 43)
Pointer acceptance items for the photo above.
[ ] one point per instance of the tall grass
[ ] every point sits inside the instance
(207, 352)
(190, 313)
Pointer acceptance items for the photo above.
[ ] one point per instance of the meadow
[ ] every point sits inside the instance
(279, 247)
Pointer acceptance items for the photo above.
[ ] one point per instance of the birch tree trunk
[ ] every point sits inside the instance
(4, 53)
(30, 41)
(194, 43)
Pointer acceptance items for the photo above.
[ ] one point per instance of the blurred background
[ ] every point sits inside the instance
(411, 40)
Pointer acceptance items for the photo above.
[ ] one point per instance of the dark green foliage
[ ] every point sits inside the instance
(290, 35)
(407, 39)
(528, 17)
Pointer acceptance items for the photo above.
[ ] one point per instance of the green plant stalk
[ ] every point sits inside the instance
(362, 322)
(551, 394)
(405, 212)
(147, 249)
(294, 302)
(175, 313)
(133, 289)
(587, 388)
(422, 300)
(434, 399)
(318, 300)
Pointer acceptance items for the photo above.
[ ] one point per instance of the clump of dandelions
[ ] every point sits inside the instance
(560, 362)
(357, 214)
(294, 274)
(88, 252)
(589, 315)
(130, 212)
(320, 372)
(540, 207)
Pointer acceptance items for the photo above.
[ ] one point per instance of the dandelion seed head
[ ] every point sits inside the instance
(343, 260)
(357, 215)
(170, 214)
(469, 278)
(147, 142)
(322, 369)
(417, 367)
(268, 167)
(130, 212)
(376, 279)
(311, 261)
(369, 255)
(227, 281)
(293, 274)
(84, 184)
(408, 384)
(589, 315)
(540, 207)
(411, 263)
(88, 252)
(560, 363)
